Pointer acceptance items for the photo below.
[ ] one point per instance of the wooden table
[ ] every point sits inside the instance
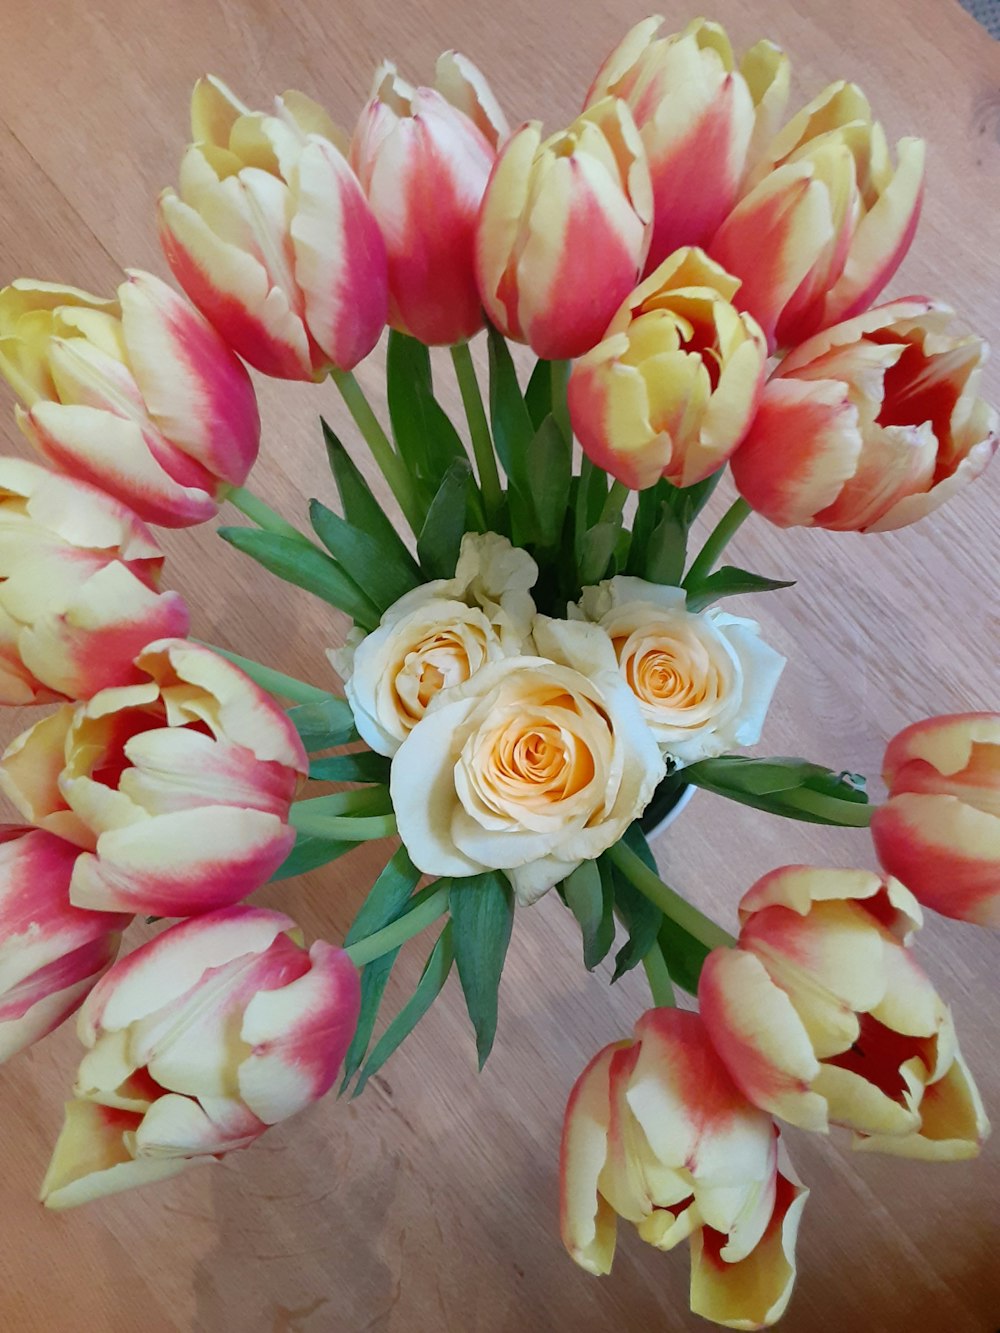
(430, 1204)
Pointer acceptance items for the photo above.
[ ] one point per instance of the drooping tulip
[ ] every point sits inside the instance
(939, 831)
(79, 579)
(822, 1017)
(271, 236)
(423, 156)
(703, 121)
(177, 790)
(871, 424)
(564, 230)
(827, 220)
(671, 389)
(51, 953)
(657, 1133)
(196, 1043)
(138, 396)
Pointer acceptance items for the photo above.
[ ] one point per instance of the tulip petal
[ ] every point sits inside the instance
(587, 1221)
(953, 1122)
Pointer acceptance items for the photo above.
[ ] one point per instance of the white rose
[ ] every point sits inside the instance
(530, 767)
(438, 636)
(704, 680)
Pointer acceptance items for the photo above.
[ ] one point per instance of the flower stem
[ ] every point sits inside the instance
(389, 462)
(343, 828)
(670, 903)
(261, 513)
(479, 430)
(657, 974)
(615, 502)
(398, 932)
(275, 682)
(717, 540)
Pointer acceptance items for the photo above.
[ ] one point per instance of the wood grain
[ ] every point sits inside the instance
(430, 1204)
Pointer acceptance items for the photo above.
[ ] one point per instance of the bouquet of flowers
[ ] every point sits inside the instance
(535, 675)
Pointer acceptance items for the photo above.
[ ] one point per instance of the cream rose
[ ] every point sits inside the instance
(704, 681)
(531, 767)
(438, 636)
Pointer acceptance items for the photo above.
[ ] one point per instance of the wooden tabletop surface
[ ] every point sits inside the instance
(430, 1203)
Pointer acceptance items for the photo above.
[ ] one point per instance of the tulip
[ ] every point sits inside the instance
(424, 163)
(870, 425)
(671, 390)
(657, 1133)
(196, 1043)
(51, 953)
(703, 122)
(271, 236)
(79, 575)
(177, 790)
(564, 230)
(138, 396)
(939, 831)
(822, 1016)
(827, 222)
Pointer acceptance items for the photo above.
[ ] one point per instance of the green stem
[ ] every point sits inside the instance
(669, 902)
(344, 828)
(479, 430)
(275, 682)
(615, 502)
(658, 975)
(261, 513)
(845, 814)
(389, 462)
(398, 932)
(559, 378)
(716, 542)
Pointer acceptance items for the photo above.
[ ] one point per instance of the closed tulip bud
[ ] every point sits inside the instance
(423, 157)
(657, 1133)
(271, 237)
(671, 389)
(564, 230)
(822, 1017)
(177, 790)
(827, 221)
(51, 953)
(869, 425)
(139, 396)
(694, 107)
(79, 579)
(197, 1043)
(939, 831)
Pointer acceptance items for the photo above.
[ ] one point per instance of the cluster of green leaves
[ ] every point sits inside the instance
(794, 788)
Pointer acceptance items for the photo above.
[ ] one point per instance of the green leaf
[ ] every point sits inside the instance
(729, 581)
(429, 987)
(374, 979)
(441, 535)
(794, 788)
(323, 725)
(589, 895)
(359, 503)
(513, 429)
(683, 955)
(689, 501)
(596, 550)
(308, 853)
(427, 440)
(549, 473)
(306, 567)
(361, 766)
(666, 549)
(641, 918)
(380, 570)
(482, 914)
(538, 394)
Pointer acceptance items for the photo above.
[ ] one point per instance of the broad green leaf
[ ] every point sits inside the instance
(729, 581)
(793, 788)
(689, 501)
(441, 535)
(374, 978)
(482, 914)
(429, 987)
(641, 918)
(306, 567)
(666, 549)
(596, 550)
(384, 575)
(388, 898)
(549, 472)
(359, 503)
(325, 724)
(683, 955)
(362, 766)
(589, 895)
(427, 440)
(308, 853)
(538, 394)
(513, 429)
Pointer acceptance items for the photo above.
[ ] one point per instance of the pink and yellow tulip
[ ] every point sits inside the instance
(79, 579)
(827, 220)
(564, 230)
(51, 953)
(657, 1133)
(423, 156)
(822, 1017)
(139, 395)
(271, 236)
(871, 424)
(196, 1043)
(939, 831)
(177, 790)
(703, 121)
(671, 389)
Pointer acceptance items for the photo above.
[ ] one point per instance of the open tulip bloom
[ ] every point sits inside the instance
(535, 671)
